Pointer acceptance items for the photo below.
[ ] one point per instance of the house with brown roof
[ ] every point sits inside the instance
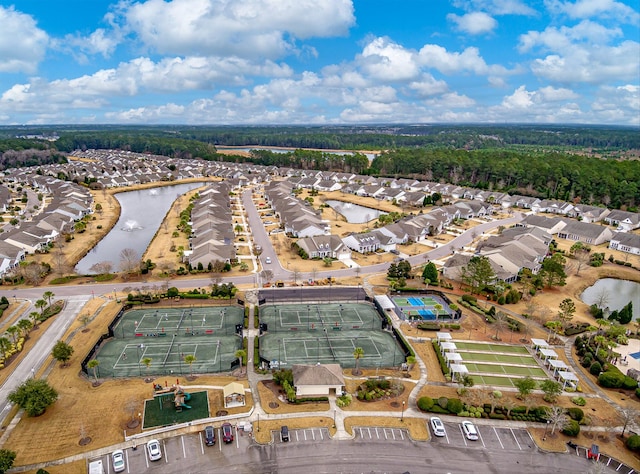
(318, 380)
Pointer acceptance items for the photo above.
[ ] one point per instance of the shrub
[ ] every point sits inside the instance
(580, 401)
(344, 400)
(587, 361)
(575, 413)
(633, 443)
(629, 383)
(497, 416)
(438, 409)
(638, 392)
(454, 405)
(611, 379)
(572, 428)
(469, 299)
(425, 403)
(595, 368)
(443, 401)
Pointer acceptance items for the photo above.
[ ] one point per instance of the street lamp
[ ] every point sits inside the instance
(544, 437)
(138, 348)
(402, 415)
(258, 423)
(334, 417)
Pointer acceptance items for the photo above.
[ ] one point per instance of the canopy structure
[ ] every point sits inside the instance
(452, 358)
(443, 336)
(548, 354)
(568, 377)
(557, 365)
(539, 344)
(448, 347)
(458, 369)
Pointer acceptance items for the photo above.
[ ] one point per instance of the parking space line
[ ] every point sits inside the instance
(201, 443)
(184, 451)
(166, 456)
(146, 458)
(297, 437)
(126, 455)
(108, 465)
(498, 436)
(516, 439)
(464, 438)
(481, 439)
(369, 430)
(305, 434)
(313, 434)
(447, 437)
(321, 434)
(393, 433)
(220, 439)
(402, 434)
(377, 434)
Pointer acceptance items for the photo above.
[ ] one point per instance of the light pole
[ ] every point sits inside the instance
(402, 415)
(138, 348)
(219, 358)
(258, 423)
(180, 357)
(544, 437)
(334, 417)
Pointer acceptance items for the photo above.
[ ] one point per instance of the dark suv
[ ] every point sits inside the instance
(284, 433)
(227, 433)
(209, 436)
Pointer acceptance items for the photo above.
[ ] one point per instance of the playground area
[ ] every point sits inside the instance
(172, 404)
(326, 333)
(497, 364)
(428, 308)
(158, 342)
(310, 317)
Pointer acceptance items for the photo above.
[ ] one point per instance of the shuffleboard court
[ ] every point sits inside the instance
(488, 347)
(506, 359)
(505, 369)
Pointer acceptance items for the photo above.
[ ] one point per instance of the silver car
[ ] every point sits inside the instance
(470, 430)
(117, 458)
(437, 426)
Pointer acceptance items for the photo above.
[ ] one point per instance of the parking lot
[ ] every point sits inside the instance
(488, 437)
(376, 433)
(308, 435)
(180, 448)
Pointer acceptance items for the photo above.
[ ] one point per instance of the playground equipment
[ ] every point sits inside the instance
(175, 394)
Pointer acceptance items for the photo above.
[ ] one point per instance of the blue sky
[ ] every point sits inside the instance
(319, 61)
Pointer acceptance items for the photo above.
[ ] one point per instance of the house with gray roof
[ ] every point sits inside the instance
(625, 242)
(592, 234)
(625, 221)
(325, 246)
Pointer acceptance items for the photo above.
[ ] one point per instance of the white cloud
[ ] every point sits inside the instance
(388, 61)
(582, 54)
(474, 23)
(101, 41)
(437, 57)
(22, 43)
(552, 94)
(249, 28)
(594, 9)
(428, 86)
(496, 7)
(520, 99)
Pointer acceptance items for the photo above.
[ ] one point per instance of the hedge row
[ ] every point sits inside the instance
(443, 363)
(454, 406)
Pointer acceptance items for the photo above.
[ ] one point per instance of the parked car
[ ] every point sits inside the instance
(470, 430)
(284, 433)
(117, 458)
(227, 433)
(209, 436)
(153, 448)
(437, 426)
(267, 260)
(394, 251)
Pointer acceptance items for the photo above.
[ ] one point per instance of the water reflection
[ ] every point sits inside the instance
(141, 213)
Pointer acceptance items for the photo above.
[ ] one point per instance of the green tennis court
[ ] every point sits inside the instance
(380, 348)
(311, 317)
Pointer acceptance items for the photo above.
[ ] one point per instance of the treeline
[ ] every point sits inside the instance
(309, 159)
(29, 157)
(551, 175)
(138, 142)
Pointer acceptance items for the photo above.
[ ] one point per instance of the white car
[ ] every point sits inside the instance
(437, 426)
(153, 448)
(117, 458)
(267, 260)
(470, 430)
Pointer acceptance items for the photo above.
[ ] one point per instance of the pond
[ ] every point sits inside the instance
(614, 293)
(354, 213)
(141, 213)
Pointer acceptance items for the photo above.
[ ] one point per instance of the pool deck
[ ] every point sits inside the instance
(630, 363)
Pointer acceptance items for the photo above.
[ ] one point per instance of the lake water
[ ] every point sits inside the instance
(618, 294)
(141, 213)
(354, 213)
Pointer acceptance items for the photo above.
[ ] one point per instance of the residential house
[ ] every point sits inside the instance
(625, 242)
(625, 221)
(592, 234)
(10, 257)
(325, 246)
(362, 243)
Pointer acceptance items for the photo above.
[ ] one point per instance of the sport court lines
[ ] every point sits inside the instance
(340, 347)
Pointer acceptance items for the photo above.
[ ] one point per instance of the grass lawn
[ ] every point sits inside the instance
(479, 346)
(506, 369)
(155, 416)
(505, 359)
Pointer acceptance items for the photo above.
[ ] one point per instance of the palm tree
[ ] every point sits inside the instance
(13, 332)
(190, 359)
(5, 346)
(147, 363)
(34, 315)
(438, 307)
(240, 355)
(25, 325)
(358, 353)
(41, 305)
(48, 295)
(93, 365)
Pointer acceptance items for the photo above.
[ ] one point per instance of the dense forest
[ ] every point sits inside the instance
(553, 175)
(596, 165)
